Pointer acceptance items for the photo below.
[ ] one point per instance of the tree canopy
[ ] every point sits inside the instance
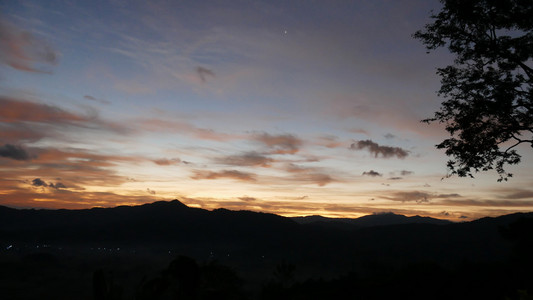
(488, 90)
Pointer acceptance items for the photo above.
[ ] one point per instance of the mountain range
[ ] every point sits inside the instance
(173, 225)
(57, 252)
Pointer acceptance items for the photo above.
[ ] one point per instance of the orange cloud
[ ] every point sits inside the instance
(26, 120)
(24, 111)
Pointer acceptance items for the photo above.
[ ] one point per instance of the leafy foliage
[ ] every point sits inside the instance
(488, 91)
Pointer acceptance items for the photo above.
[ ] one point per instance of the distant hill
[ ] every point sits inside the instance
(380, 219)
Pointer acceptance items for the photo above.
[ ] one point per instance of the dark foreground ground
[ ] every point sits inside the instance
(54, 274)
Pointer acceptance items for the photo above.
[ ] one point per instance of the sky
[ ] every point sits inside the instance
(287, 107)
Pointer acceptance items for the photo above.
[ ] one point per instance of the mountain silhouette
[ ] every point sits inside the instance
(378, 248)
(378, 219)
(172, 224)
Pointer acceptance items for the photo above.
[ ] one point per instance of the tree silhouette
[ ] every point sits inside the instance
(488, 109)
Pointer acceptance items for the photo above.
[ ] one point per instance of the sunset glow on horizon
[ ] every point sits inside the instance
(283, 107)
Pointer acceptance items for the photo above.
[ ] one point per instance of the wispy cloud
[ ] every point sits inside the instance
(421, 196)
(77, 168)
(377, 150)
(91, 98)
(23, 51)
(166, 161)
(15, 110)
(182, 127)
(280, 144)
(203, 73)
(316, 178)
(22, 120)
(410, 196)
(231, 174)
(330, 141)
(246, 159)
(305, 175)
(488, 203)
(521, 194)
(247, 199)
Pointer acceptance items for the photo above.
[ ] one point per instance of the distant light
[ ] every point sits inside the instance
(9, 247)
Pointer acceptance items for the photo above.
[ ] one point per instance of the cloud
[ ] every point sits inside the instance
(57, 185)
(330, 141)
(402, 173)
(151, 192)
(444, 196)
(14, 152)
(91, 98)
(247, 199)
(376, 149)
(420, 197)
(78, 168)
(38, 182)
(280, 144)
(247, 159)
(520, 194)
(359, 131)
(412, 196)
(293, 168)
(21, 50)
(372, 173)
(232, 174)
(14, 110)
(319, 178)
(30, 121)
(308, 175)
(174, 126)
(405, 172)
(167, 162)
(488, 203)
(203, 73)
